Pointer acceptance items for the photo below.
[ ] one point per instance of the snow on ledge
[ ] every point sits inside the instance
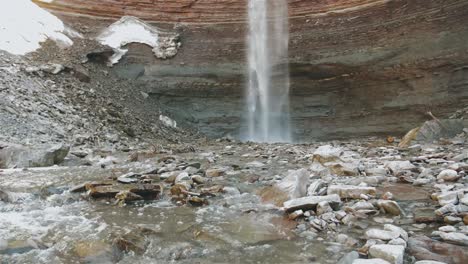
(24, 25)
(133, 30)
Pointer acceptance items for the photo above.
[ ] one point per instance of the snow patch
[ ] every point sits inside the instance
(167, 121)
(24, 25)
(133, 30)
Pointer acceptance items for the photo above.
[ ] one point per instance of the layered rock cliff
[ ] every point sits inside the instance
(358, 67)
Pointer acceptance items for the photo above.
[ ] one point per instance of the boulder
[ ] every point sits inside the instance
(398, 166)
(385, 235)
(215, 172)
(311, 202)
(335, 160)
(350, 191)
(390, 207)
(424, 248)
(455, 238)
(391, 253)
(315, 187)
(448, 175)
(13, 155)
(295, 184)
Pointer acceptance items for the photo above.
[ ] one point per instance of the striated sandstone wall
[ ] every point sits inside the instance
(358, 67)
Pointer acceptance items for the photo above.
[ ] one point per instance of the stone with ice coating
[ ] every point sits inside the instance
(310, 202)
(351, 191)
(391, 253)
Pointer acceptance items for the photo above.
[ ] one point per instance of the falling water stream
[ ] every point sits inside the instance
(268, 88)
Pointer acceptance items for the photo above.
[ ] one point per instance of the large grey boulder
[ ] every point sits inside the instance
(19, 156)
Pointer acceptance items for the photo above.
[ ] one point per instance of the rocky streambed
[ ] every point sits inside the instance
(365, 201)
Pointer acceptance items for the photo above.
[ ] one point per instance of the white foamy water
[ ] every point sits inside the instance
(268, 88)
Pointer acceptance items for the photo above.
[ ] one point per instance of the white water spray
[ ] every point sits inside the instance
(268, 87)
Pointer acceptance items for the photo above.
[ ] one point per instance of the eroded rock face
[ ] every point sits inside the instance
(358, 67)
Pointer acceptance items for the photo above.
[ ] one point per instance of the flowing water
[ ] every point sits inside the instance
(268, 88)
(45, 223)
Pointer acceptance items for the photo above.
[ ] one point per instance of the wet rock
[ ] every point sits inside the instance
(363, 206)
(4, 197)
(131, 242)
(387, 196)
(295, 184)
(446, 198)
(198, 179)
(127, 196)
(455, 238)
(184, 176)
(452, 220)
(364, 250)
(391, 253)
(398, 241)
(390, 207)
(350, 191)
(446, 209)
(94, 251)
(87, 186)
(105, 191)
(316, 187)
(323, 207)
(424, 248)
(465, 219)
(349, 258)
(147, 191)
(197, 201)
(273, 195)
(128, 178)
(447, 229)
(295, 214)
(402, 233)
(215, 172)
(311, 202)
(448, 175)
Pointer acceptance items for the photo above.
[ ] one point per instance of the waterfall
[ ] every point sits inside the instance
(267, 92)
